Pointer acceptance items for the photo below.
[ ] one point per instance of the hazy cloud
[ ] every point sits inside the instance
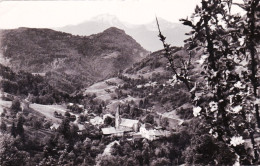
(15, 14)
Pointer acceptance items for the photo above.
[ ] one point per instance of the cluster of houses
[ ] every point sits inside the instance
(124, 127)
(134, 129)
(149, 84)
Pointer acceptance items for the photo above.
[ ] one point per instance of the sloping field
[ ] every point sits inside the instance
(48, 110)
(104, 89)
(113, 104)
(4, 104)
(146, 73)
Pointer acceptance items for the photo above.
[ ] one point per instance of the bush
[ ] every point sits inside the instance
(160, 162)
(186, 113)
(206, 150)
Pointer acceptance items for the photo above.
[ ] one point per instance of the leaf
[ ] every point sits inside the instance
(190, 33)
(187, 22)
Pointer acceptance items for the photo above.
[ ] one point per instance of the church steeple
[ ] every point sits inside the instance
(118, 118)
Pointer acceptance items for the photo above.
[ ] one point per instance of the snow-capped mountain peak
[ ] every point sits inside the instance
(108, 19)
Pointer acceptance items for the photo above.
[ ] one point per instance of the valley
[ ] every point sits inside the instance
(75, 92)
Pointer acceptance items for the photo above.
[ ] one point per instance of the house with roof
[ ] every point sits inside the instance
(113, 131)
(129, 124)
(149, 132)
(97, 121)
(54, 126)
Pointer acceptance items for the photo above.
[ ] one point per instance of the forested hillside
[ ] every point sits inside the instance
(70, 62)
(23, 84)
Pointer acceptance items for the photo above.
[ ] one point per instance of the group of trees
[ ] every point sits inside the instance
(18, 129)
(22, 84)
(9, 153)
(226, 98)
(162, 93)
(144, 152)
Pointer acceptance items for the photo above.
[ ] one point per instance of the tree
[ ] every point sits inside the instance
(138, 156)
(81, 118)
(64, 128)
(67, 114)
(164, 122)
(9, 154)
(131, 161)
(110, 160)
(251, 33)
(19, 128)
(207, 150)
(161, 161)
(37, 124)
(13, 130)
(226, 103)
(149, 119)
(127, 110)
(3, 126)
(249, 42)
(100, 109)
(16, 106)
(141, 104)
(74, 131)
(109, 121)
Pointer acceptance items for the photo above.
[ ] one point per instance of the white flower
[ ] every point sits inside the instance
(250, 116)
(257, 101)
(239, 85)
(196, 19)
(213, 106)
(173, 81)
(237, 163)
(174, 78)
(202, 59)
(237, 109)
(215, 135)
(236, 141)
(139, 86)
(215, 73)
(231, 99)
(213, 27)
(241, 40)
(196, 111)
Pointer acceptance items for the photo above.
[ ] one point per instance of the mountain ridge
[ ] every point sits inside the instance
(70, 61)
(146, 34)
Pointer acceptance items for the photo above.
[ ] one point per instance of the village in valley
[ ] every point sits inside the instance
(120, 127)
(109, 122)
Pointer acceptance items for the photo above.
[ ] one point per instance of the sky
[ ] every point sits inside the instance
(49, 14)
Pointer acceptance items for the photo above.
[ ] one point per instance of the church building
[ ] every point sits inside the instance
(122, 125)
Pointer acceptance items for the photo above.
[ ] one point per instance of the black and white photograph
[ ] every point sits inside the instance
(129, 82)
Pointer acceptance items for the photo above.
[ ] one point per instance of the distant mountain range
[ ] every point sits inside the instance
(146, 34)
(70, 62)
